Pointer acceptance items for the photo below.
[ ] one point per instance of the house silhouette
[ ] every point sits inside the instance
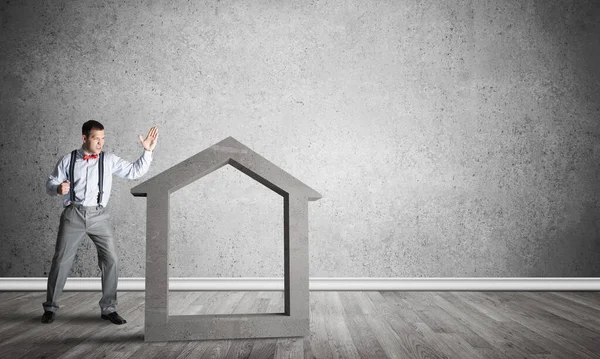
(159, 325)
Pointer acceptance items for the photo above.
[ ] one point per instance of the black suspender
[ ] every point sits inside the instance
(100, 176)
(72, 175)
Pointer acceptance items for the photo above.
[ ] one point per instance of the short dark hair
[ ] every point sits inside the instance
(89, 126)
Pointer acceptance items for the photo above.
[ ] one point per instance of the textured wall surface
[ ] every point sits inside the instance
(448, 139)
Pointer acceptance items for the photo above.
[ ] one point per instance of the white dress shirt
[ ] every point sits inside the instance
(86, 176)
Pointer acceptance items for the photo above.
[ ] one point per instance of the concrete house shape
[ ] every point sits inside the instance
(159, 325)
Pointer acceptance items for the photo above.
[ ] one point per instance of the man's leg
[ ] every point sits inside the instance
(70, 233)
(100, 231)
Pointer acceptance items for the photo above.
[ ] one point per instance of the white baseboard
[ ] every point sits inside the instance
(323, 284)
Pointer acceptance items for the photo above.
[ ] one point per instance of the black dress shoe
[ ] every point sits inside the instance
(114, 318)
(48, 317)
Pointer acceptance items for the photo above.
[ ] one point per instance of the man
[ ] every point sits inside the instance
(84, 179)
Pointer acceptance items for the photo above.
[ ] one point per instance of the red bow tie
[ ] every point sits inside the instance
(87, 157)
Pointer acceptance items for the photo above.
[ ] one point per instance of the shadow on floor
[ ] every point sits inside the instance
(126, 338)
(29, 318)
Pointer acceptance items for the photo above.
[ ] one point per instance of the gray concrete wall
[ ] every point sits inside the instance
(449, 139)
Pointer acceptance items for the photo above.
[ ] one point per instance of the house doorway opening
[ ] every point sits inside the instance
(226, 228)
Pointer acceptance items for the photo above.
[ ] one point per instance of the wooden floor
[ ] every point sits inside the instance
(343, 325)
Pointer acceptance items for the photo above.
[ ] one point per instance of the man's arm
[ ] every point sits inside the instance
(129, 170)
(137, 169)
(55, 182)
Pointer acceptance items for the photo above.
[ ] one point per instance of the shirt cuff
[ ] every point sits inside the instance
(147, 155)
(53, 190)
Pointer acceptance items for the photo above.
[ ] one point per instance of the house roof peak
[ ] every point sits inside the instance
(227, 151)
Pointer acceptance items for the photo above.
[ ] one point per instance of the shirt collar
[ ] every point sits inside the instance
(81, 152)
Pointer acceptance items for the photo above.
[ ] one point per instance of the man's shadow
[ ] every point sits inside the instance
(29, 318)
(34, 321)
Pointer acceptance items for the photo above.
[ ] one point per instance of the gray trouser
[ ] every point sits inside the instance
(75, 223)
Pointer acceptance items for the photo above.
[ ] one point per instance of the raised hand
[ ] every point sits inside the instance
(150, 142)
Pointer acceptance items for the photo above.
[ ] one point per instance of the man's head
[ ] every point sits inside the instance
(92, 134)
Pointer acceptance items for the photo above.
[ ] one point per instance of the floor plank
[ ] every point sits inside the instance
(534, 316)
(499, 334)
(365, 342)
(342, 325)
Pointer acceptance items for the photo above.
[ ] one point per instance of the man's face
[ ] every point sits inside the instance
(94, 142)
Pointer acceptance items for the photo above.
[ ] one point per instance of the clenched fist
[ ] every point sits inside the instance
(63, 188)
